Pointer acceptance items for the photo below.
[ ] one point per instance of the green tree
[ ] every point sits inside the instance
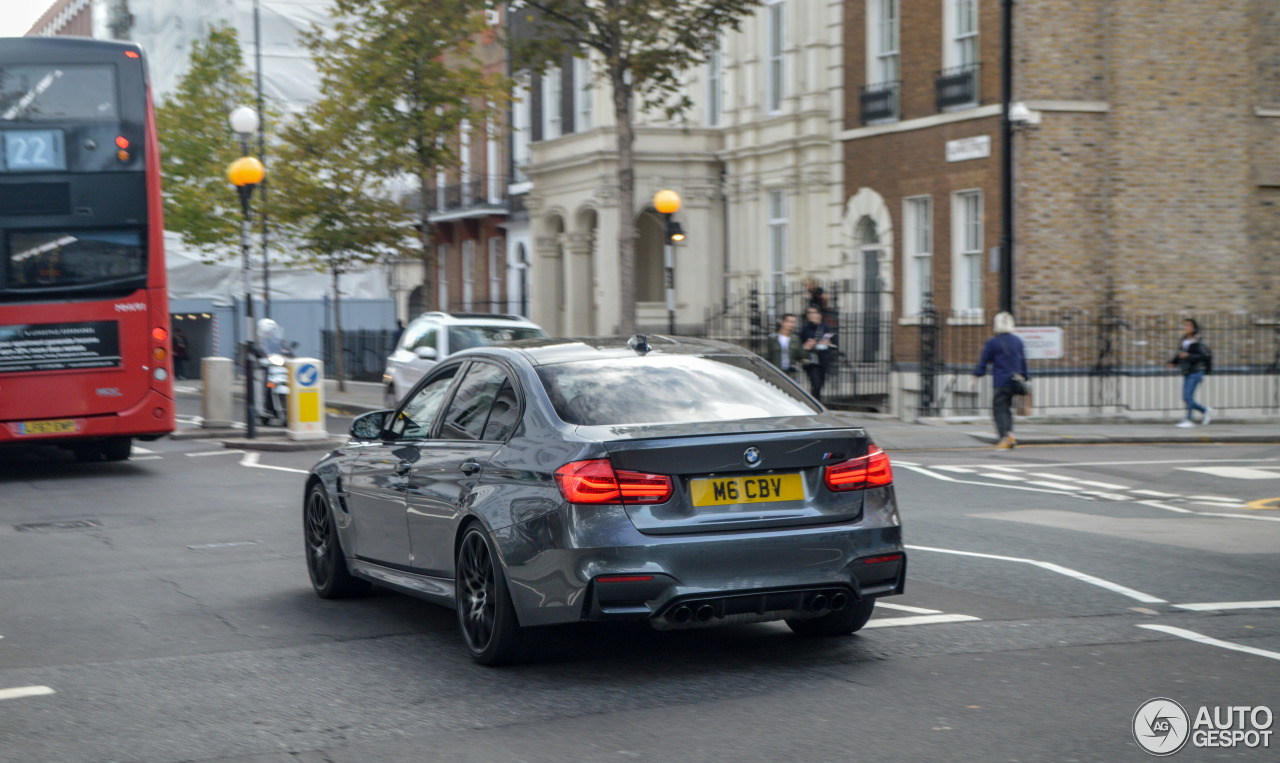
(401, 76)
(328, 205)
(197, 144)
(644, 46)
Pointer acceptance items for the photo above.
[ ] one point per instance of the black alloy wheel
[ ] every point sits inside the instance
(325, 561)
(841, 623)
(486, 616)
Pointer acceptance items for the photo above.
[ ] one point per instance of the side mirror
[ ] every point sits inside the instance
(369, 426)
(426, 353)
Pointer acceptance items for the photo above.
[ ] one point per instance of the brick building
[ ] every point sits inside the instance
(1153, 170)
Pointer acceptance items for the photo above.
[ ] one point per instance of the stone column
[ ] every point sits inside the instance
(578, 286)
(545, 283)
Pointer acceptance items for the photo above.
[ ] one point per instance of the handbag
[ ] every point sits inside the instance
(1018, 384)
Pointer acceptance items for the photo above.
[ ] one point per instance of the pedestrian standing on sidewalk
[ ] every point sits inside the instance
(816, 340)
(1194, 360)
(783, 349)
(179, 354)
(1005, 354)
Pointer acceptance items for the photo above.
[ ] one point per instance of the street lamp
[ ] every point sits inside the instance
(667, 202)
(245, 174)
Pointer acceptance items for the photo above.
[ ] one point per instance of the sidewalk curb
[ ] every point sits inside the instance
(1132, 439)
(282, 446)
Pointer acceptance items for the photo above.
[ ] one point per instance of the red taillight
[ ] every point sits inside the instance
(131, 53)
(885, 558)
(122, 142)
(871, 470)
(596, 481)
(159, 334)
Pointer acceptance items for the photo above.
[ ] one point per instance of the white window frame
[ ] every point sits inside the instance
(492, 163)
(521, 126)
(464, 168)
(551, 97)
(442, 277)
(495, 281)
(775, 54)
(776, 222)
(966, 252)
(884, 41)
(959, 39)
(468, 274)
(715, 84)
(917, 247)
(582, 93)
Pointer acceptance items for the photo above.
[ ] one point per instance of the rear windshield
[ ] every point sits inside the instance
(58, 92)
(86, 259)
(466, 337)
(670, 389)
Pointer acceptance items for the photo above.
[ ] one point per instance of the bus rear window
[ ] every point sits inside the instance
(58, 92)
(70, 259)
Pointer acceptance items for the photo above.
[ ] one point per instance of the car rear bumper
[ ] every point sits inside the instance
(554, 565)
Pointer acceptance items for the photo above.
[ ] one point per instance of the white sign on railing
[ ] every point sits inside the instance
(1041, 342)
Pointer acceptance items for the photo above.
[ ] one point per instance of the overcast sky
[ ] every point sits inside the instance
(17, 16)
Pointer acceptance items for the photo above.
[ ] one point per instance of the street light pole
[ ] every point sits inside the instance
(245, 173)
(1006, 157)
(667, 202)
(262, 157)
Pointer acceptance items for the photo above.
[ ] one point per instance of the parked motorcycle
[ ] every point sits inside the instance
(273, 352)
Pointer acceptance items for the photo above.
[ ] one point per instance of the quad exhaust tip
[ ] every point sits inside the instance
(705, 613)
(681, 615)
(839, 601)
(818, 603)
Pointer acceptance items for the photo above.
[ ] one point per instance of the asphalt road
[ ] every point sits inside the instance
(159, 610)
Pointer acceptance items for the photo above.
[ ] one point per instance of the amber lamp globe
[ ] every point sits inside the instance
(245, 171)
(666, 201)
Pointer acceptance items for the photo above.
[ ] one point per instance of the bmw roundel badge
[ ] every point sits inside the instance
(752, 456)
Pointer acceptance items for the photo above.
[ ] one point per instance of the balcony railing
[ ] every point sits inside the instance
(879, 102)
(482, 194)
(957, 86)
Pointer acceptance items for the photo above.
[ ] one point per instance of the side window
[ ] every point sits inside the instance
(469, 411)
(503, 417)
(428, 338)
(415, 418)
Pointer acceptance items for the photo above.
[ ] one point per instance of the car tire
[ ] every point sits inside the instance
(117, 448)
(326, 564)
(840, 623)
(486, 615)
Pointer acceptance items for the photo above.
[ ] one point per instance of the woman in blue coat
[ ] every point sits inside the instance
(1005, 354)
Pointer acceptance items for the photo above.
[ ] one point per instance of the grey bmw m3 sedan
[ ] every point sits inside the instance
(683, 482)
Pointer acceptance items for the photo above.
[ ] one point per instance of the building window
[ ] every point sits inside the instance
(442, 277)
(715, 85)
(468, 274)
(966, 238)
(551, 103)
(878, 99)
(956, 84)
(964, 40)
(778, 243)
(886, 39)
(492, 161)
(775, 29)
(582, 94)
(521, 127)
(464, 149)
(495, 280)
(918, 230)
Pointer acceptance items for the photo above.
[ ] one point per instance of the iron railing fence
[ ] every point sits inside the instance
(860, 373)
(1109, 361)
(364, 352)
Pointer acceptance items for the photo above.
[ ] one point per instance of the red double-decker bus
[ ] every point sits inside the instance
(85, 356)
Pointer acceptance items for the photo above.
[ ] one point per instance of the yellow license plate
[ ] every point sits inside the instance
(764, 488)
(53, 426)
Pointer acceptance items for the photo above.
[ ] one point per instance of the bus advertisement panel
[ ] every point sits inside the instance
(85, 353)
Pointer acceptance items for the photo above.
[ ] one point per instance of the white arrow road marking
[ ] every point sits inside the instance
(251, 459)
(24, 691)
(1051, 567)
(881, 604)
(222, 452)
(920, 620)
(1217, 606)
(1203, 639)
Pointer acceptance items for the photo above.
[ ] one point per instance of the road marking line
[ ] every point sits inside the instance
(1221, 498)
(1236, 516)
(1130, 463)
(1263, 504)
(1221, 505)
(1051, 567)
(223, 545)
(956, 469)
(1103, 485)
(1009, 477)
(920, 620)
(1155, 493)
(1006, 468)
(1054, 485)
(251, 459)
(1216, 606)
(1233, 472)
(1166, 507)
(146, 458)
(25, 691)
(222, 452)
(1108, 496)
(905, 463)
(140, 449)
(1054, 477)
(1202, 639)
(917, 610)
(945, 478)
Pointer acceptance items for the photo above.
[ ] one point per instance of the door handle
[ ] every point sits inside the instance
(403, 468)
(469, 467)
